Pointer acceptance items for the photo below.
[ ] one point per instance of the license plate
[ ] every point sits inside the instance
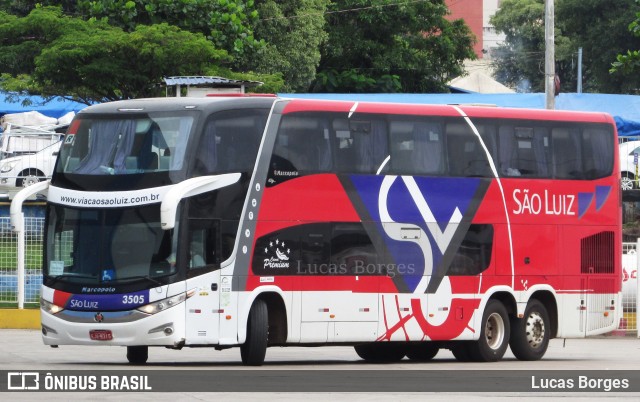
(101, 335)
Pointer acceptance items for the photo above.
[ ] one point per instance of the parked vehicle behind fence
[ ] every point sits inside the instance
(628, 164)
(24, 170)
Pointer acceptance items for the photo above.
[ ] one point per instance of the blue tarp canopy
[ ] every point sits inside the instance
(624, 108)
(56, 107)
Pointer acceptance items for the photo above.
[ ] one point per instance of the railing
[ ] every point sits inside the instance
(34, 230)
(630, 299)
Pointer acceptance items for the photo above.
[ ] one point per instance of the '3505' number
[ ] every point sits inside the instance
(132, 299)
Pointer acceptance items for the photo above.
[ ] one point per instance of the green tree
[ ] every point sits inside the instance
(48, 53)
(293, 31)
(286, 48)
(628, 64)
(391, 46)
(227, 23)
(520, 60)
(598, 26)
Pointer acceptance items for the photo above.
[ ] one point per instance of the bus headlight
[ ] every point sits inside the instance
(160, 305)
(50, 307)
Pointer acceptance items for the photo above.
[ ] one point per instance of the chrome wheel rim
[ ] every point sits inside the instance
(494, 331)
(535, 329)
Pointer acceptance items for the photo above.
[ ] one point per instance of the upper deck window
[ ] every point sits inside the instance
(107, 146)
(229, 142)
(440, 146)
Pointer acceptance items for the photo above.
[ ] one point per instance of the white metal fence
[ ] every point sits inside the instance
(630, 291)
(33, 262)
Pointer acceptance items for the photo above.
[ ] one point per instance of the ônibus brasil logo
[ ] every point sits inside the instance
(278, 255)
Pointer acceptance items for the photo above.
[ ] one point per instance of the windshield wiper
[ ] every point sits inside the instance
(71, 275)
(139, 277)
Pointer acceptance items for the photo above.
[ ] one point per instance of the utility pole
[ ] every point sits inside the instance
(579, 70)
(549, 55)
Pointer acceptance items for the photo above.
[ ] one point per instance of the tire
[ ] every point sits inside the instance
(381, 352)
(254, 348)
(137, 354)
(627, 181)
(422, 352)
(530, 335)
(494, 334)
(461, 351)
(29, 177)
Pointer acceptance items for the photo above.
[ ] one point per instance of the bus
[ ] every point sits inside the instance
(398, 229)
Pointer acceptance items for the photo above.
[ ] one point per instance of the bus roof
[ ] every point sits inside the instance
(308, 105)
(175, 103)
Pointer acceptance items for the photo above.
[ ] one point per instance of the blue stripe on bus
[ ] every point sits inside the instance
(111, 302)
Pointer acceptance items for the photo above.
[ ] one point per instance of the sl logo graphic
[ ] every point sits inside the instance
(408, 232)
(418, 219)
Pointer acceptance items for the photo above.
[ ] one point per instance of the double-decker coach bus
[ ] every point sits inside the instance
(399, 229)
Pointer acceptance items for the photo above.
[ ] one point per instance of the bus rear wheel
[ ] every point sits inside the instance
(530, 334)
(422, 352)
(254, 349)
(494, 334)
(381, 352)
(137, 354)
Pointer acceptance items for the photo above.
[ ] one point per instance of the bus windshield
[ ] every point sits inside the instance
(135, 144)
(107, 246)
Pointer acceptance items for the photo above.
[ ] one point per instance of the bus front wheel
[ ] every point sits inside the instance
(137, 354)
(254, 349)
(494, 334)
(530, 334)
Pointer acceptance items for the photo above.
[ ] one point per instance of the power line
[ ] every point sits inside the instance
(346, 10)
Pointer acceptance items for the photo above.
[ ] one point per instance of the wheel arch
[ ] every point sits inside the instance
(277, 317)
(37, 171)
(548, 300)
(277, 314)
(507, 299)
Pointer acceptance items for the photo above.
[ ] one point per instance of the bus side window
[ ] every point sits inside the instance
(207, 152)
(508, 154)
(204, 243)
(302, 145)
(523, 151)
(597, 152)
(567, 154)
(196, 249)
(474, 254)
(417, 148)
(466, 156)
